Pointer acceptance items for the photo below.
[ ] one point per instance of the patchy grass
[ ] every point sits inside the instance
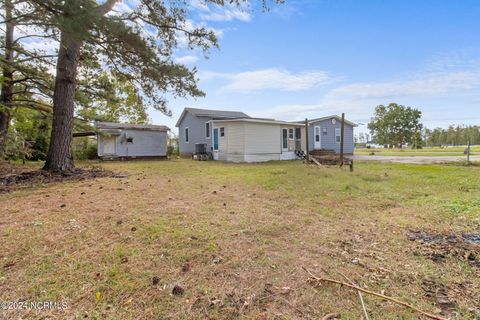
(425, 152)
(245, 231)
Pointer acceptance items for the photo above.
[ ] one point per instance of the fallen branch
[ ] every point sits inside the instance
(429, 315)
(331, 316)
(360, 295)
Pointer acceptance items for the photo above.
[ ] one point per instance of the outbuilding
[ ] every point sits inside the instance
(121, 140)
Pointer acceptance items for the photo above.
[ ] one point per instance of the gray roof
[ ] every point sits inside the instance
(112, 125)
(261, 120)
(310, 121)
(215, 114)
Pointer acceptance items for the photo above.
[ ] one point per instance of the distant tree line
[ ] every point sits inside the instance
(396, 125)
(453, 136)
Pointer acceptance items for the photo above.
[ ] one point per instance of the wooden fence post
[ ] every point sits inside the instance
(468, 151)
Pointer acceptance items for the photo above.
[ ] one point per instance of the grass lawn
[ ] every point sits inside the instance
(425, 152)
(236, 236)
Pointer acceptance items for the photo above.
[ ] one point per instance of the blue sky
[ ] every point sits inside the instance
(312, 58)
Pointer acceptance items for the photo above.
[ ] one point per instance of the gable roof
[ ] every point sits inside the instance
(216, 114)
(113, 125)
(261, 120)
(310, 121)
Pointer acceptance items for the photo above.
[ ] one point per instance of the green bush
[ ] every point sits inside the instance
(172, 151)
(89, 152)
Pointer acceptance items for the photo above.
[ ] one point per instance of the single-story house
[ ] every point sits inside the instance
(194, 127)
(256, 140)
(325, 134)
(120, 140)
(234, 136)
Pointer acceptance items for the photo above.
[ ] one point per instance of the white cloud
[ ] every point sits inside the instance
(227, 15)
(188, 59)
(227, 12)
(199, 5)
(270, 79)
(446, 85)
(435, 83)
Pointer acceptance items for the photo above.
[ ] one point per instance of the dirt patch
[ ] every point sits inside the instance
(438, 247)
(15, 178)
(441, 295)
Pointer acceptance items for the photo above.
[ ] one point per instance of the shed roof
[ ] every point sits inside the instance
(113, 125)
(218, 114)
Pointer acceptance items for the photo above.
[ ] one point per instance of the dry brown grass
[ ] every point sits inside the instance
(245, 231)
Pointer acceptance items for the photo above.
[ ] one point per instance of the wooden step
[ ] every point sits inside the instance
(322, 152)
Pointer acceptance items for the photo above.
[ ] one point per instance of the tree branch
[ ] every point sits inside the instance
(321, 279)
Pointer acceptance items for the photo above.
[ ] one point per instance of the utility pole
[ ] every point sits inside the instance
(306, 138)
(342, 133)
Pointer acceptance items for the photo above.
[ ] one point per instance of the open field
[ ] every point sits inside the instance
(417, 159)
(425, 152)
(236, 236)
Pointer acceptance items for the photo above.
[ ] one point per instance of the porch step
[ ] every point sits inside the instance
(322, 152)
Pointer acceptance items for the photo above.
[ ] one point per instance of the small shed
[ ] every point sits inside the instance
(123, 140)
(256, 140)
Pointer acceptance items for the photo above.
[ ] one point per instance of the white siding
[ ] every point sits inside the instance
(236, 157)
(252, 142)
(261, 138)
(145, 143)
(262, 157)
(288, 155)
(235, 133)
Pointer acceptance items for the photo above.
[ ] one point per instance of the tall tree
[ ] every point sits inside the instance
(143, 57)
(396, 125)
(106, 97)
(7, 76)
(25, 81)
(137, 43)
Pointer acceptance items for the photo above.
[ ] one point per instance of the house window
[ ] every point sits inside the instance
(298, 133)
(207, 129)
(186, 135)
(130, 140)
(337, 135)
(317, 134)
(290, 134)
(222, 132)
(324, 131)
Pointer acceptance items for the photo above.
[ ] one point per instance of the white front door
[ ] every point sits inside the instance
(317, 137)
(109, 145)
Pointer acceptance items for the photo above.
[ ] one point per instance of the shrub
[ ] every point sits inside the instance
(89, 152)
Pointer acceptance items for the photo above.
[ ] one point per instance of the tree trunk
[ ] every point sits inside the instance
(6, 95)
(59, 156)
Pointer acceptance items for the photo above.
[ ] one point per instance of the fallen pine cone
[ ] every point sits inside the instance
(178, 290)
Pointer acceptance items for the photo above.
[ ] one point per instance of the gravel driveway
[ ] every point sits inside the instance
(415, 159)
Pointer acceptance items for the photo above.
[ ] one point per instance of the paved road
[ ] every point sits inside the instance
(415, 159)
